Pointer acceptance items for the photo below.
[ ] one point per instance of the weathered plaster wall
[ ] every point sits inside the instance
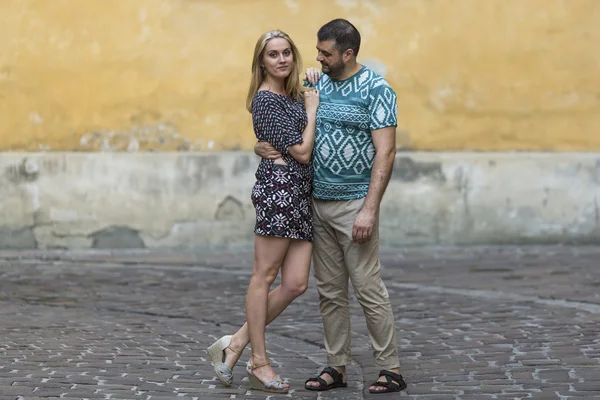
(114, 200)
(130, 75)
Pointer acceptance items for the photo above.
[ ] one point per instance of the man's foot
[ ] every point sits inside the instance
(389, 381)
(329, 378)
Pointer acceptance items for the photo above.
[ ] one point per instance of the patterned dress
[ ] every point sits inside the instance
(282, 193)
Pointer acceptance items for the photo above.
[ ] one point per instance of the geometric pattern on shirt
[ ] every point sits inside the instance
(338, 152)
(332, 191)
(344, 152)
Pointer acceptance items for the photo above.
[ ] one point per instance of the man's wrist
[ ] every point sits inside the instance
(369, 208)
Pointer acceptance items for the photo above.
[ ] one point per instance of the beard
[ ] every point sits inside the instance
(333, 70)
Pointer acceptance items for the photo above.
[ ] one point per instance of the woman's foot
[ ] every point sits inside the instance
(223, 357)
(233, 353)
(263, 371)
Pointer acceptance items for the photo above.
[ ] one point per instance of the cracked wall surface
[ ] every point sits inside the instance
(172, 75)
(143, 200)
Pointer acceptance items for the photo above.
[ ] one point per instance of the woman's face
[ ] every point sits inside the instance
(277, 58)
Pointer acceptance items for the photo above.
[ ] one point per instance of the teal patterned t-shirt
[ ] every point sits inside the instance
(348, 111)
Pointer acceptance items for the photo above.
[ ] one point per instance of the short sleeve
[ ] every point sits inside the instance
(273, 124)
(383, 107)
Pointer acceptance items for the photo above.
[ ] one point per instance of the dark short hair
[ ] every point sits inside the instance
(345, 34)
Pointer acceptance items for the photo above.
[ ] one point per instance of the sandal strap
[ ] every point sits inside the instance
(387, 384)
(337, 378)
(239, 353)
(253, 366)
(335, 375)
(393, 382)
(278, 384)
(389, 375)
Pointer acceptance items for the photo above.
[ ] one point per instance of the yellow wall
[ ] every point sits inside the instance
(173, 74)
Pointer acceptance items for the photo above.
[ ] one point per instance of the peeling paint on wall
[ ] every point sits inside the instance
(26, 171)
(230, 209)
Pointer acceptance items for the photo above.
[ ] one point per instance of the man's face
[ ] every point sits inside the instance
(331, 59)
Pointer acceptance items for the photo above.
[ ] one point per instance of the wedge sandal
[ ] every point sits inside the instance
(216, 352)
(276, 386)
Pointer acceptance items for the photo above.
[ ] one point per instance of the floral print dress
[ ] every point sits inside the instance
(282, 193)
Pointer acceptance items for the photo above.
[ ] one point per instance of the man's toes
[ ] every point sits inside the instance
(376, 388)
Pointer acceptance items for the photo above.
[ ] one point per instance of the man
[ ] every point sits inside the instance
(353, 158)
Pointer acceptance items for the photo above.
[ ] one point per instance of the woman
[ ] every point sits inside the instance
(281, 197)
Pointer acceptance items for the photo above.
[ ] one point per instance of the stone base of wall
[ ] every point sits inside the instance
(154, 200)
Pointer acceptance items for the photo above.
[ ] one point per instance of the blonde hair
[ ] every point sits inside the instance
(292, 82)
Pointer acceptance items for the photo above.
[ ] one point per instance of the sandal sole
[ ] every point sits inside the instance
(399, 389)
(329, 387)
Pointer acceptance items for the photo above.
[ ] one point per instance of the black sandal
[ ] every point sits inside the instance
(389, 385)
(338, 380)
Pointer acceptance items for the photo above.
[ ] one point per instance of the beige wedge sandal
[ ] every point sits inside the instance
(217, 355)
(276, 386)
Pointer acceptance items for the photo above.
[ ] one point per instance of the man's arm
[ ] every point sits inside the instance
(266, 150)
(384, 140)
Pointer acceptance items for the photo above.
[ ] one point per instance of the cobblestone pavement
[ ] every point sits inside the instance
(473, 323)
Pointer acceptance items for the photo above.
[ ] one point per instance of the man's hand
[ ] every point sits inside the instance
(266, 150)
(312, 75)
(362, 231)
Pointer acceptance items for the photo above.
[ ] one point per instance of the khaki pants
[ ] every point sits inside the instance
(336, 259)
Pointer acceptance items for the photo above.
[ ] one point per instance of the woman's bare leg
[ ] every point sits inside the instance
(294, 282)
(269, 253)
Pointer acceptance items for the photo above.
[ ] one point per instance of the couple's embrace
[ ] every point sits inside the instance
(317, 194)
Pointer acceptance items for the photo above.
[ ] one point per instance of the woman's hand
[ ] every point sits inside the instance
(311, 101)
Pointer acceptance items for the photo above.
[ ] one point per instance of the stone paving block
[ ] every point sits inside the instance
(583, 397)
(81, 394)
(155, 396)
(579, 361)
(587, 387)
(16, 390)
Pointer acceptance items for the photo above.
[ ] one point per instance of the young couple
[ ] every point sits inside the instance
(322, 204)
